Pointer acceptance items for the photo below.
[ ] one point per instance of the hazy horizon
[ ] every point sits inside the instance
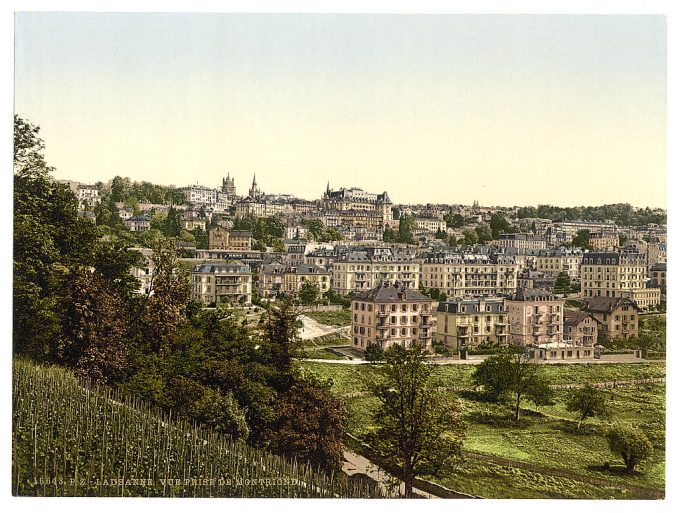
(507, 110)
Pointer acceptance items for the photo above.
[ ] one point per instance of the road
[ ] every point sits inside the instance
(357, 464)
(477, 359)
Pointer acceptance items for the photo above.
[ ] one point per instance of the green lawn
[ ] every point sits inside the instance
(340, 318)
(546, 438)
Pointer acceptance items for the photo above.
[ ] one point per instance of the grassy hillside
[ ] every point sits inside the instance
(545, 440)
(74, 439)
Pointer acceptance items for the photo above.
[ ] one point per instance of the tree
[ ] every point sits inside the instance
(49, 238)
(483, 234)
(581, 239)
(511, 372)
(217, 411)
(562, 283)
(470, 237)
(94, 329)
(631, 443)
(587, 401)
(165, 311)
(310, 424)
(283, 342)
(405, 232)
(309, 293)
(419, 429)
(374, 353)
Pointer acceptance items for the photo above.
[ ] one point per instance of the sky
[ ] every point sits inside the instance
(502, 109)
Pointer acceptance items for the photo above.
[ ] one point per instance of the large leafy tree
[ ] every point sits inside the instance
(586, 402)
(419, 429)
(93, 338)
(631, 444)
(512, 374)
(49, 237)
(309, 423)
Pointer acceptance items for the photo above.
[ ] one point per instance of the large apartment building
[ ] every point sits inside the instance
(363, 270)
(357, 199)
(391, 314)
(613, 274)
(553, 262)
(521, 241)
(535, 317)
(470, 323)
(217, 283)
(276, 278)
(470, 275)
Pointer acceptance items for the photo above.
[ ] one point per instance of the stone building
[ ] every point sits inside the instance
(469, 323)
(535, 317)
(217, 283)
(391, 314)
(618, 317)
(614, 274)
(470, 275)
(365, 269)
(580, 328)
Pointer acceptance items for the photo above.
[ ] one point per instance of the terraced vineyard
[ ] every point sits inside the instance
(71, 438)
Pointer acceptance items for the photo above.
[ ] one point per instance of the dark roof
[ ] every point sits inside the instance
(533, 295)
(240, 233)
(574, 318)
(390, 293)
(606, 304)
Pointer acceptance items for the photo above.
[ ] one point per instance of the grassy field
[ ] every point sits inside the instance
(546, 438)
(341, 318)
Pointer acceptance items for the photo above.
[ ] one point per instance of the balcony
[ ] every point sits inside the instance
(383, 314)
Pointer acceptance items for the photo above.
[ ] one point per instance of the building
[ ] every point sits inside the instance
(658, 276)
(603, 240)
(255, 191)
(138, 223)
(528, 279)
(217, 283)
(558, 351)
(357, 199)
(221, 238)
(580, 328)
(199, 195)
(276, 278)
(218, 238)
(553, 262)
(228, 187)
(613, 274)
(144, 273)
(430, 225)
(391, 314)
(535, 317)
(618, 317)
(470, 323)
(470, 275)
(191, 222)
(521, 241)
(363, 270)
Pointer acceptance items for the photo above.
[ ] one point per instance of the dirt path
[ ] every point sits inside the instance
(312, 328)
(357, 464)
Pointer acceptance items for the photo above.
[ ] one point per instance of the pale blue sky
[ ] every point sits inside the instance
(443, 108)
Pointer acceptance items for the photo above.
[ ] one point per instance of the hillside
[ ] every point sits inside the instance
(72, 438)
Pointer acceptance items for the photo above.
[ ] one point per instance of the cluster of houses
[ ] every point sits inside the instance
(489, 295)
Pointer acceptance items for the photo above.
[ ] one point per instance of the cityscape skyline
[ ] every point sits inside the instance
(506, 110)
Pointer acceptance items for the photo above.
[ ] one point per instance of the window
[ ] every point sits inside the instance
(370, 308)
